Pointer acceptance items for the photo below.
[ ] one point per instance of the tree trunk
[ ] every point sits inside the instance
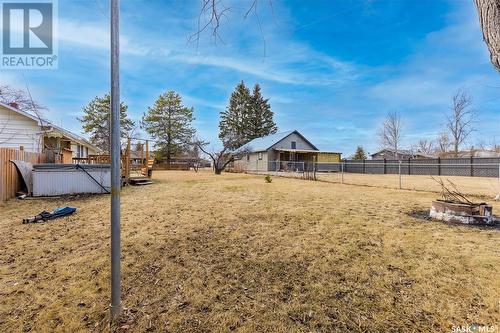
(489, 19)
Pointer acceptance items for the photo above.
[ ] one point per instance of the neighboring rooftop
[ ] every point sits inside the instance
(42, 122)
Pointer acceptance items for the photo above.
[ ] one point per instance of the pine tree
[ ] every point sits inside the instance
(232, 124)
(260, 120)
(96, 121)
(169, 123)
(359, 154)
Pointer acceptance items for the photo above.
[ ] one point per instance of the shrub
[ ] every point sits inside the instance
(268, 179)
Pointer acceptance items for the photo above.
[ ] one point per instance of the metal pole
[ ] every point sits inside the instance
(342, 179)
(115, 307)
(399, 174)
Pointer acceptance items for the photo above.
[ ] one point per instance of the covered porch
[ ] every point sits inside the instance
(292, 160)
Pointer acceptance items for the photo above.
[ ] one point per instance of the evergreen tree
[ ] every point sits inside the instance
(97, 118)
(359, 154)
(169, 123)
(232, 124)
(260, 120)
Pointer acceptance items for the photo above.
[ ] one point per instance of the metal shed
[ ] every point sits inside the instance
(61, 179)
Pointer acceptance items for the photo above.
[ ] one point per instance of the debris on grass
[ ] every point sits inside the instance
(45, 216)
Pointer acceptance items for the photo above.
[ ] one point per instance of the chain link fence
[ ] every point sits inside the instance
(477, 176)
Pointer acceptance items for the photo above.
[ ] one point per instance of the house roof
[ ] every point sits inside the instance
(401, 151)
(266, 142)
(44, 122)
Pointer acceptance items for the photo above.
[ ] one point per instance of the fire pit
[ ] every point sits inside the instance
(456, 207)
(467, 213)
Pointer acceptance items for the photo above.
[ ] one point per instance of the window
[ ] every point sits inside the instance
(294, 145)
(260, 156)
(248, 157)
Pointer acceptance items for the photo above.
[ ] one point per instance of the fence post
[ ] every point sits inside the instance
(364, 165)
(342, 174)
(314, 167)
(471, 166)
(439, 166)
(400, 174)
(385, 166)
(409, 165)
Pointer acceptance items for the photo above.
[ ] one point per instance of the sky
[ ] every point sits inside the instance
(331, 69)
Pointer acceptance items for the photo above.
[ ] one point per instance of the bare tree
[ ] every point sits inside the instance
(20, 99)
(390, 133)
(221, 158)
(489, 19)
(214, 11)
(443, 143)
(459, 122)
(425, 147)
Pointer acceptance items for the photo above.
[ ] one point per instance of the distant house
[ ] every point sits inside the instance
(22, 130)
(484, 153)
(286, 151)
(401, 154)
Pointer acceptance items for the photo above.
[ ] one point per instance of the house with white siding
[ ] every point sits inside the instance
(285, 151)
(22, 130)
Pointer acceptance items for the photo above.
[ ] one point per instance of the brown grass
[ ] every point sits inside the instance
(221, 253)
(480, 186)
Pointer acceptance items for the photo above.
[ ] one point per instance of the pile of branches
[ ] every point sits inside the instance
(451, 193)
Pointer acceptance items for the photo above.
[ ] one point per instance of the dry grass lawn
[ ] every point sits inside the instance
(480, 186)
(231, 253)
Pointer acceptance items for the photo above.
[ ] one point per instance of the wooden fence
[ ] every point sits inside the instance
(10, 181)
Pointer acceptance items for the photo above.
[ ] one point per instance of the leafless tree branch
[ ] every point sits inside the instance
(211, 14)
(390, 133)
(460, 121)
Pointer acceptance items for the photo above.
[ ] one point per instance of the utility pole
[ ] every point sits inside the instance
(115, 307)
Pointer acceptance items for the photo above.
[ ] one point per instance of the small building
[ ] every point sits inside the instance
(22, 130)
(285, 151)
(400, 154)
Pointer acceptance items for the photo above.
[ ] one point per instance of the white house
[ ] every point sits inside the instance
(285, 151)
(22, 130)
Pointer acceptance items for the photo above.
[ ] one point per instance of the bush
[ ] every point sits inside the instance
(268, 179)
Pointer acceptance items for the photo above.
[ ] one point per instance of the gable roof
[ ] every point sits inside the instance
(266, 142)
(44, 122)
(23, 113)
